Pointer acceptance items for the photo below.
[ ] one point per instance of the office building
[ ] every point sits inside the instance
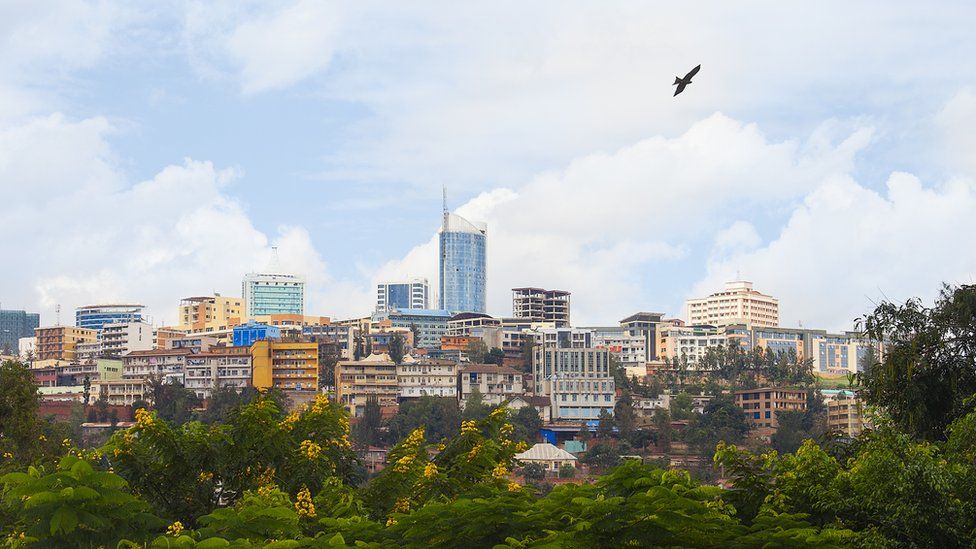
(273, 293)
(209, 313)
(463, 274)
(94, 317)
(430, 324)
(761, 405)
(562, 338)
(13, 326)
(539, 305)
(497, 384)
(645, 325)
(630, 349)
(463, 324)
(428, 377)
(577, 381)
(119, 338)
(372, 377)
(411, 294)
(738, 303)
(220, 367)
(246, 334)
(60, 343)
(288, 365)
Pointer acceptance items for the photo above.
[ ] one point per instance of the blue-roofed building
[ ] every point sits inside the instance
(246, 334)
(431, 324)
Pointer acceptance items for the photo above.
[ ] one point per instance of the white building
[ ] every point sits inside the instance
(273, 293)
(124, 337)
(738, 303)
(169, 364)
(408, 294)
(226, 367)
(578, 381)
(495, 383)
(463, 324)
(630, 349)
(27, 347)
(426, 378)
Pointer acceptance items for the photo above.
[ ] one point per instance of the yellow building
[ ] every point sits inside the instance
(289, 365)
(738, 303)
(60, 343)
(357, 380)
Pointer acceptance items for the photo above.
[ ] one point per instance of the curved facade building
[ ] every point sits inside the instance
(463, 274)
(94, 317)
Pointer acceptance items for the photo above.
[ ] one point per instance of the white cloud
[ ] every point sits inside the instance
(846, 247)
(81, 233)
(280, 49)
(598, 226)
(956, 120)
(737, 237)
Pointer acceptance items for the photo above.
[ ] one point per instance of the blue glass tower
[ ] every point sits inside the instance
(463, 275)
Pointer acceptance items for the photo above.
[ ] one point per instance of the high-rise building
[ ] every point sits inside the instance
(120, 338)
(463, 275)
(540, 305)
(412, 294)
(197, 314)
(13, 326)
(94, 317)
(273, 293)
(738, 303)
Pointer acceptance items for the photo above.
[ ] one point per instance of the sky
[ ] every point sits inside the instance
(154, 151)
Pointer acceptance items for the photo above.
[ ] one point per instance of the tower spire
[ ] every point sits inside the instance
(444, 191)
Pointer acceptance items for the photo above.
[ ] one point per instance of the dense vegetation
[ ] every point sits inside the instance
(261, 477)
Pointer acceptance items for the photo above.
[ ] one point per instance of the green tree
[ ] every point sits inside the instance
(476, 351)
(534, 472)
(527, 424)
(929, 369)
(367, 430)
(76, 506)
(440, 416)
(722, 420)
(495, 356)
(172, 401)
(605, 424)
(624, 415)
(474, 406)
(567, 471)
(662, 429)
(682, 406)
(397, 348)
(19, 425)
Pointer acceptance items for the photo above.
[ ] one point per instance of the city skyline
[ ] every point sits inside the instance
(149, 155)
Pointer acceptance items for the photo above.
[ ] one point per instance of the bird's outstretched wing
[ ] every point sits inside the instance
(693, 72)
(681, 88)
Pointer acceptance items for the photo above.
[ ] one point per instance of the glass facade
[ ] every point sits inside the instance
(95, 317)
(463, 274)
(271, 294)
(13, 326)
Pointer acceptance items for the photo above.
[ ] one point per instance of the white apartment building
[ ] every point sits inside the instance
(463, 324)
(691, 342)
(124, 337)
(496, 383)
(227, 367)
(578, 381)
(170, 364)
(576, 338)
(426, 378)
(738, 303)
(629, 348)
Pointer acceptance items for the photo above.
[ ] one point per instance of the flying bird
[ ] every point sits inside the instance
(682, 82)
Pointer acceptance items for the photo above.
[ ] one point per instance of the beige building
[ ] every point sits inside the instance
(169, 364)
(218, 367)
(60, 343)
(738, 303)
(373, 376)
(846, 414)
(760, 405)
(495, 383)
(550, 457)
(417, 378)
(210, 313)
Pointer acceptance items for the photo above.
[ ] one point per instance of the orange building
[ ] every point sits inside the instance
(61, 342)
(760, 405)
(288, 365)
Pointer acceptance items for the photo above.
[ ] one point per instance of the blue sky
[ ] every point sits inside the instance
(824, 152)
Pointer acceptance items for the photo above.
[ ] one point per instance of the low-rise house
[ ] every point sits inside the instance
(550, 457)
